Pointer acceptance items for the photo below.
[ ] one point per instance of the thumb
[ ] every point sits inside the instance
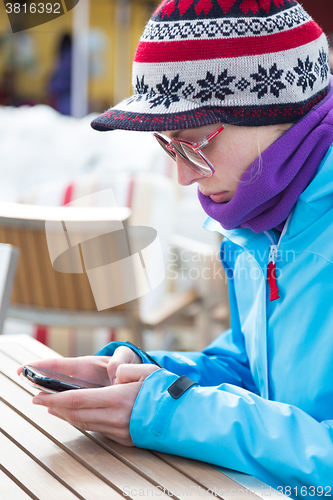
(134, 373)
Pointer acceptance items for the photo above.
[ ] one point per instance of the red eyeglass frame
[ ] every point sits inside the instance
(196, 146)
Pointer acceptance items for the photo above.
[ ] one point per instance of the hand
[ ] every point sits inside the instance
(107, 410)
(100, 370)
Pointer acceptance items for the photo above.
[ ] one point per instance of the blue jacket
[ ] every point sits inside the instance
(263, 403)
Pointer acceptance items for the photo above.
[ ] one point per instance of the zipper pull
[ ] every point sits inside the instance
(273, 250)
(271, 270)
(271, 273)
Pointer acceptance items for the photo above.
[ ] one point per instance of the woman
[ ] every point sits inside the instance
(240, 90)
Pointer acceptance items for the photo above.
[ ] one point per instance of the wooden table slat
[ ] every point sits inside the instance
(10, 490)
(54, 458)
(18, 354)
(8, 368)
(208, 477)
(23, 346)
(31, 474)
(158, 471)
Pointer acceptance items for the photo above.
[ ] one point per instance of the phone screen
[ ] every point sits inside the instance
(55, 382)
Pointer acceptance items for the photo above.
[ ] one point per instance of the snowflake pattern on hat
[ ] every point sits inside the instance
(268, 81)
(219, 88)
(167, 91)
(306, 75)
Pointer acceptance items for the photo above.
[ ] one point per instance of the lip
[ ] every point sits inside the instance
(219, 197)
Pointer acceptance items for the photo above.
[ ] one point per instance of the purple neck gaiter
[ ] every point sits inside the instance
(263, 201)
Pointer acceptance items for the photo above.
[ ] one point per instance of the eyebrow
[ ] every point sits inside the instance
(174, 134)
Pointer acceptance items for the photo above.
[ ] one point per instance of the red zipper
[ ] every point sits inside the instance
(271, 272)
(271, 269)
(271, 278)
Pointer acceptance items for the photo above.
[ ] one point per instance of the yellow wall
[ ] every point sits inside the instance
(102, 13)
(31, 82)
(140, 13)
(4, 28)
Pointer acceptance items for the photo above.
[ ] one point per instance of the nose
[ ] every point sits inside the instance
(186, 175)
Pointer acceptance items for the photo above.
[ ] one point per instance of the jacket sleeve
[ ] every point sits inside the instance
(223, 361)
(275, 442)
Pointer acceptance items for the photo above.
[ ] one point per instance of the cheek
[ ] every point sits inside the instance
(232, 156)
(230, 166)
(242, 155)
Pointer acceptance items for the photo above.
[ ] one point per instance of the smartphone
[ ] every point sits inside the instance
(52, 382)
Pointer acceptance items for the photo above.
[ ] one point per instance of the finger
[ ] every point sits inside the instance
(119, 434)
(67, 366)
(55, 414)
(120, 356)
(47, 364)
(111, 396)
(134, 373)
(79, 398)
(111, 418)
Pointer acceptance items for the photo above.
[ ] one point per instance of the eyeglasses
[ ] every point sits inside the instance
(190, 152)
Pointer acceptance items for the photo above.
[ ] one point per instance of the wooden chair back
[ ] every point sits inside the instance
(8, 261)
(37, 284)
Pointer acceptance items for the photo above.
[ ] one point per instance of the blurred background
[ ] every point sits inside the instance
(54, 79)
(35, 64)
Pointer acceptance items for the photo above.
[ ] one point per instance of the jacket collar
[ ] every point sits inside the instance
(316, 200)
(245, 238)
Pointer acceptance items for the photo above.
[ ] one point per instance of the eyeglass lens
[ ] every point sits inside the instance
(164, 145)
(191, 157)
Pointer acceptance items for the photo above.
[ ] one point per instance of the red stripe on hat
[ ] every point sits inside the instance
(192, 50)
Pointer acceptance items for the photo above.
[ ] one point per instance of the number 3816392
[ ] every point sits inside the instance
(33, 8)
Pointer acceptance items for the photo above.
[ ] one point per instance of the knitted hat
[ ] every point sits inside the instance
(243, 62)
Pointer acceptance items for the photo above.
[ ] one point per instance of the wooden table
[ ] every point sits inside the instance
(43, 457)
